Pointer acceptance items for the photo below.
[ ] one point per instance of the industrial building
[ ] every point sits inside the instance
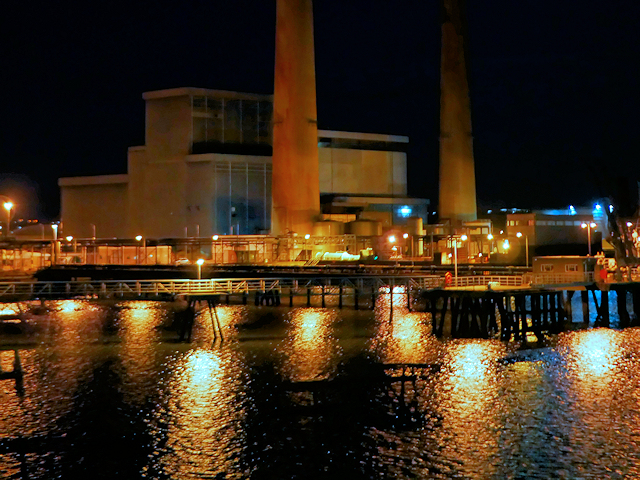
(206, 169)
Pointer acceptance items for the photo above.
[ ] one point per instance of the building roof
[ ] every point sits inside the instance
(203, 92)
(93, 180)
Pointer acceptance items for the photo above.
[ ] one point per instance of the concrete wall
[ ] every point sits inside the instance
(346, 170)
(168, 127)
(104, 205)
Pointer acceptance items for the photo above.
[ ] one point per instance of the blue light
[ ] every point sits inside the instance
(572, 210)
(405, 211)
(597, 207)
(611, 208)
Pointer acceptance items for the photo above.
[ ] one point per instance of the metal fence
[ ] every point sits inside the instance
(160, 288)
(539, 279)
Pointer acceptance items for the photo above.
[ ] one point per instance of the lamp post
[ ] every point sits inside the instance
(8, 205)
(589, 226)
(199, 263)
(54, 253)
(306, 239)
(214, 249)
(144, 248)
(526, 243)
(455, 257)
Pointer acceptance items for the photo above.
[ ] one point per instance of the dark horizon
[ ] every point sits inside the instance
(552, 92)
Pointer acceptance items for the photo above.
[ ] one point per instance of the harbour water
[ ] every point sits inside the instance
(107, 392)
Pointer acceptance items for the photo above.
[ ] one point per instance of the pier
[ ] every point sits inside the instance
(469, 306)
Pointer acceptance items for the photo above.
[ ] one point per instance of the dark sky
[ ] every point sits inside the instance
(554, 85)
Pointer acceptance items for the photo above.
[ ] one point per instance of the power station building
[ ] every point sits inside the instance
(205, 169)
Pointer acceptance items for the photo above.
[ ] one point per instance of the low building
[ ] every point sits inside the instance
(205, 169)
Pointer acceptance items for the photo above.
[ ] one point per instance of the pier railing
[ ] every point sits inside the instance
(485, 280)
(541, 279)
(10, 291)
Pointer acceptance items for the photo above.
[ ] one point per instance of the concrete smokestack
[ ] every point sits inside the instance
(457, 173)
(295, 178)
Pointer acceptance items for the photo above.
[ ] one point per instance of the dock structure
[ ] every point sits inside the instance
(473, 306)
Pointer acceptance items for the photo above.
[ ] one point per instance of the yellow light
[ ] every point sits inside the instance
(519, 234)
(506, 245)
(307, 236)
(463, 237)
(406, 235)
(215, 237)
(593, 225)
(200, 261)
(392, 238)
(489, 237)
(8, 205)
(139, 237)
(69, 238)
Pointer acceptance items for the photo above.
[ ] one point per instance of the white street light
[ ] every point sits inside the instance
(589, 226)
(455, 256)
(526, 243)
(8, 206)
(200, 262)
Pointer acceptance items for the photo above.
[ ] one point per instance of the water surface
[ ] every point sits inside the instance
(303, 393)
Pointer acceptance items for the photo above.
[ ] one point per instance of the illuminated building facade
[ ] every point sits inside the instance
(206, 169)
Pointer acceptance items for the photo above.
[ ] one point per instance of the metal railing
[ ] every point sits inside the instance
(168, 288)
(479, 280)
(538, 279)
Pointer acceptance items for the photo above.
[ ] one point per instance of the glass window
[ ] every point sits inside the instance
(546, 267)
(199, 104)
(572, 267)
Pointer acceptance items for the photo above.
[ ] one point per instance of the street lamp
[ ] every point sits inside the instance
(8, 205)
(526, 243)
(200, 262)
(54, 253)
(144, 247)
(455, 256)
(589, 226)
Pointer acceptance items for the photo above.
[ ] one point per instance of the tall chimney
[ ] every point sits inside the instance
(295, 186)
(457, 173)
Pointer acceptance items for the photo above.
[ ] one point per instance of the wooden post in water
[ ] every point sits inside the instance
(623, 314)
(340, 297)
(604, 307)
(584, 295)
(323, 302)
(308, 297)
(568, 309)
(355, 298)
(373, 297)
(635, 296)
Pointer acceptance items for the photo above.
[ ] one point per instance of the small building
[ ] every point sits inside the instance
(563, 264)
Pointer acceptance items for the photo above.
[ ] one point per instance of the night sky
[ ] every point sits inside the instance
(554, 86)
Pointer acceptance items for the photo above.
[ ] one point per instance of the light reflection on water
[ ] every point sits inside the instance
(477, 409)
(203, 418)
(310, 349)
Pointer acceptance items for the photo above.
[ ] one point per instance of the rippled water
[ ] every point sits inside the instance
(108, 392)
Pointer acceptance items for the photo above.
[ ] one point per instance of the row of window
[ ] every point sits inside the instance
(222, 120)
(551, 223)
(549, 267)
